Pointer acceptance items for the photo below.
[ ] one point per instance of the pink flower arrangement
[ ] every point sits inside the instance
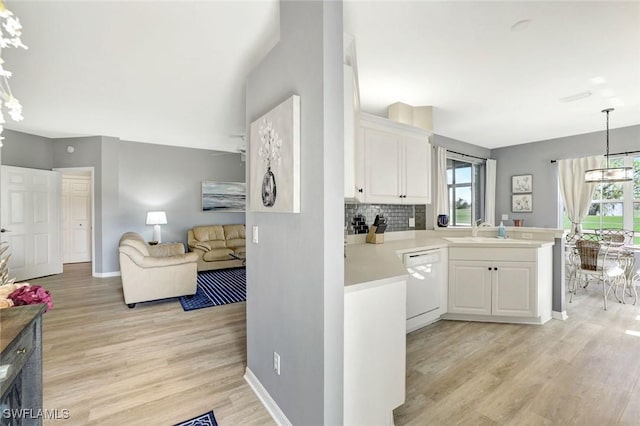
(31, 295)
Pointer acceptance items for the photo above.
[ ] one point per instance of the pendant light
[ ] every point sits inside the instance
(609, 174)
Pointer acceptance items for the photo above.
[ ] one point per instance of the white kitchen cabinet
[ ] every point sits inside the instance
(374, 351)
(353, 155)
(500, 284)
(513, 289)
(397, 162)
(469, 288)
(492, 288)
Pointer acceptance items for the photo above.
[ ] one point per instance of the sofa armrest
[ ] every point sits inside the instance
(202, 245)
(158, 262)
(167, 249)
(154, 262)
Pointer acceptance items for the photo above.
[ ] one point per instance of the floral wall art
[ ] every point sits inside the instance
(274, 152)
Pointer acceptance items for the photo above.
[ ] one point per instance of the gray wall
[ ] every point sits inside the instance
(295, 274)
(88, 153)
(131, 178)
(159, 177)
(25, 150)
(534, 158)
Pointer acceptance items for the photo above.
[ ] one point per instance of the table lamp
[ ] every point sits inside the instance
(156, 219)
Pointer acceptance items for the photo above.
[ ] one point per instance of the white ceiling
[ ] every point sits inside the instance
(173, 72)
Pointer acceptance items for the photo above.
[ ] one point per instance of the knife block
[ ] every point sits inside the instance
(374, 238)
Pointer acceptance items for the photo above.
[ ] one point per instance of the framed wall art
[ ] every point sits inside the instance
(521, 203)
(522, 184)
(224, 196)
(274, 152)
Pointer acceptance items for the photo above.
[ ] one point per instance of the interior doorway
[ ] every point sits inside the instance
(78, 215)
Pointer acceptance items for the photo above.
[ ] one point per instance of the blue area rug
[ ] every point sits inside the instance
(217, 288)
(207, 419)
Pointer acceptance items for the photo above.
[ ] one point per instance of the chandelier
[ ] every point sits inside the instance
(10, 32)
(609, 174)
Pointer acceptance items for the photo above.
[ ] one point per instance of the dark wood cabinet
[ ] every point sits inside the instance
(21, 366)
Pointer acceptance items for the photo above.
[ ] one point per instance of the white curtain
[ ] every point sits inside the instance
(490, 192)
(442, 191)
(576, 193)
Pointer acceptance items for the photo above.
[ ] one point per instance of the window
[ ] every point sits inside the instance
(465, 181)
(615, 205)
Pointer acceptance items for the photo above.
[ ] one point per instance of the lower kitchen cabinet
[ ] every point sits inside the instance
(516, 287)
(492, 288)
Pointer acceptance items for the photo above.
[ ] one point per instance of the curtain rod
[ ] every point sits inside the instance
(467, 155)
(617, 153)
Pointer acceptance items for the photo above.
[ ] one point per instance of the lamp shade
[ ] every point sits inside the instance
(612, 174)
(156, 218)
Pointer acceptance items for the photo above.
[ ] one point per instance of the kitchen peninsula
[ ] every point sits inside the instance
(487, 279)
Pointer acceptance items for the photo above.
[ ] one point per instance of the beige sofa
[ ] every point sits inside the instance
(218, 246)
(155, 272)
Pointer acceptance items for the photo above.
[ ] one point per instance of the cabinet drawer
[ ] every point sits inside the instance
(15, 356)
(508, 254)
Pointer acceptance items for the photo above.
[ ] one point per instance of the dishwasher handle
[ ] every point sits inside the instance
(421, 258)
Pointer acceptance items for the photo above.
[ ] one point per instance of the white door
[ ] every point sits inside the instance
(76, 218)
(30, 221)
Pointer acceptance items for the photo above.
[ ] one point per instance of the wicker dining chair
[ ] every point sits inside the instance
(598, 260)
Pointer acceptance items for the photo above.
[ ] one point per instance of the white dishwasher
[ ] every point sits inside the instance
(426, 286)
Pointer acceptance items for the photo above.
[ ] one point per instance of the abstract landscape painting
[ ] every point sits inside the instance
(224, 196)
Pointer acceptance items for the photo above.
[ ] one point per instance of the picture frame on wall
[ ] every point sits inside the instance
(521, 203)
(522, 184)
(275, 159)
(224, 196)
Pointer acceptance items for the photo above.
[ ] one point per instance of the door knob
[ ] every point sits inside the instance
(4, 230)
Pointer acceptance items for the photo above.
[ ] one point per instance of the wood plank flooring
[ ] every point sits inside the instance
(158, 365)
(582, 371)
(152, 365)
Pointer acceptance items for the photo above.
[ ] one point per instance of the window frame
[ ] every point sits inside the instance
(477, 186)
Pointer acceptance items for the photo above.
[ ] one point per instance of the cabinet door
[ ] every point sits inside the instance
(382, 166)
(469, 287)
(417, 170)
(514, 290)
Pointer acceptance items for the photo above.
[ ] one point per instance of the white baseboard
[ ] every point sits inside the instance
(264, 397)
(106, 274)
(562, 316)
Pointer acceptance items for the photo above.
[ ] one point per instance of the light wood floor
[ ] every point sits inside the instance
(582, 371)
(157, 365)
(152, 365)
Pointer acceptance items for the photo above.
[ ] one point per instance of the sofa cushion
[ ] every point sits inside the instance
(209, 233)
(217, 254)
(232, 244)
(234, 232)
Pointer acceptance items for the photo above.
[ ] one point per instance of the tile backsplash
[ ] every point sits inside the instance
(358, 217)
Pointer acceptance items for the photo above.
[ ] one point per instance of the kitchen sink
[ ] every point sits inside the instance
(486, 240)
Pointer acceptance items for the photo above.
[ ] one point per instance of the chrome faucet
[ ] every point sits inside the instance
(474, 227)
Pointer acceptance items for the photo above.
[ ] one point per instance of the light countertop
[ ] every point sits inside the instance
(375, 262)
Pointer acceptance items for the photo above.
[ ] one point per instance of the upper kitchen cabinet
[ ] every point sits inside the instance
(353, 155)
(397, 162)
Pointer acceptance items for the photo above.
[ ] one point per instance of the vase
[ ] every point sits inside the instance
(268, 188)
(443, 220)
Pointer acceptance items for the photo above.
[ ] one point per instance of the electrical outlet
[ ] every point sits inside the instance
(505, 217)
(255, 234)
(276, 363)
(412, 222)
(527, 236)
